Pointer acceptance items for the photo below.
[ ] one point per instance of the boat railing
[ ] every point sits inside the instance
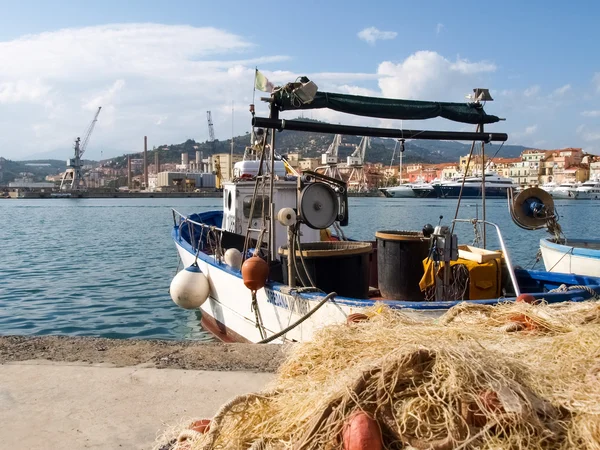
(511, 270)
(180, 220)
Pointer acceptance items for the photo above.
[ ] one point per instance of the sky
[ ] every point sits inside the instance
(156, 67)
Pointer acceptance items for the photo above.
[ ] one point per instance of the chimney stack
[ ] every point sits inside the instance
(129, 171)
(145, 162)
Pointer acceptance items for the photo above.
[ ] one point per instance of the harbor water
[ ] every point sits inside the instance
(102, 267)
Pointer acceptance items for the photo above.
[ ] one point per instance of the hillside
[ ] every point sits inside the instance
(9, 170)
(313, 144)
(307, 144)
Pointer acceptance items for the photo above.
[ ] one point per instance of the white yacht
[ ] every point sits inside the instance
(566, 189)
(400, 191)
(549, 187)
(589, 190)
(495, 186)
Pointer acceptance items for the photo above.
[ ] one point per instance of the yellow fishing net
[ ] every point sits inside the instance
(513, 376)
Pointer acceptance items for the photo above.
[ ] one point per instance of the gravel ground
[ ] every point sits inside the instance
(146, 353)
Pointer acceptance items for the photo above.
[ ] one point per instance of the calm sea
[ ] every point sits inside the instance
(102, 267)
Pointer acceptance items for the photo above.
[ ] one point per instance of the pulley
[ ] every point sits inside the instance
(318, 205)
(532, 208)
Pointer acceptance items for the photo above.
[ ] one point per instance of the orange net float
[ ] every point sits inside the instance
(255, 272)
(356, 318)
(361, 432)
(523, 319)
(201, 426)
(475, 415)
(527, 298)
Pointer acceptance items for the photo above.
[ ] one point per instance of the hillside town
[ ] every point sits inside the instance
(535, 167)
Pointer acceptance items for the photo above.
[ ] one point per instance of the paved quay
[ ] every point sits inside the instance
(80, 393)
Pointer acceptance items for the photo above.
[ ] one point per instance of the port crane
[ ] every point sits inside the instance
(330, 159)
(357, 181)
(73, 176)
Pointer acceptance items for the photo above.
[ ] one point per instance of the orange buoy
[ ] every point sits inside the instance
(201, 426)
(255, 271)
(356, 318)
(527, 322)
(361, 432)
(527, 298)
(475, 415)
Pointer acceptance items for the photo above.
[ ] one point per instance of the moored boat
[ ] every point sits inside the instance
(274, 264)
(590, 190)
(424, 190)
(566, 190)
(495, 186)
(580, 256)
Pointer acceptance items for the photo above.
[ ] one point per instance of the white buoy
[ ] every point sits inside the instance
(233, 258)
(190, 288)
(286, 217)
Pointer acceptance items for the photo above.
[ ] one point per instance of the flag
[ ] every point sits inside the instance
(261, 83)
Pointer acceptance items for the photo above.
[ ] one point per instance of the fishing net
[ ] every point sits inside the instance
(513, 376)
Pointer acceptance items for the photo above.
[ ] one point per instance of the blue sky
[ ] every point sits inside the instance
(156, 67)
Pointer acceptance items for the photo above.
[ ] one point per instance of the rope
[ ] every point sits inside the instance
(577, 287)
(463, 181)
(299, 321)
(216, 422)
(255, 309)
(561, 258)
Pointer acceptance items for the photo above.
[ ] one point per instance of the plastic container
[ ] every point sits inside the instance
(249, 169)
(341, 266)
(400, 256)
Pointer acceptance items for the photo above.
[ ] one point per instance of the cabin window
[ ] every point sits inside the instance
(258, 206)
(229, 201)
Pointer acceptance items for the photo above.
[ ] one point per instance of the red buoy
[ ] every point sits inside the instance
(361, 432)
(255, 271)
(201, 426)
(356, 318)
(527, 298)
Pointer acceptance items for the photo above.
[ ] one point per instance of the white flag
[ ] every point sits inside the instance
(261, 83)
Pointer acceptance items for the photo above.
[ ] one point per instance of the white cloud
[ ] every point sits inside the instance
(26, 91)
(596, 81)
(594, 113)
(527, 132)
(531, 91)
(562, 90)
(531, 129)
(588, 135)
(427, 75)
(438, 28)
(141, 74)
(372, 34)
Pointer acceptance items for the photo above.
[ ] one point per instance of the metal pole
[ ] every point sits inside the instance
(509, 266)
(272, 250)
(298, 125)
(483, 185)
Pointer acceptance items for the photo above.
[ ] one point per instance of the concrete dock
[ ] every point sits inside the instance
(80, 393)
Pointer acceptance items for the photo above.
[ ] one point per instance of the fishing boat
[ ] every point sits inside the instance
(590, 190)
(580, 256)
(274, 265)
(495, 187)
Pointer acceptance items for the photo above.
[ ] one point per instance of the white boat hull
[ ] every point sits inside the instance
(402, 191)
(572, 258)
(228, 314)
(564, 194)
